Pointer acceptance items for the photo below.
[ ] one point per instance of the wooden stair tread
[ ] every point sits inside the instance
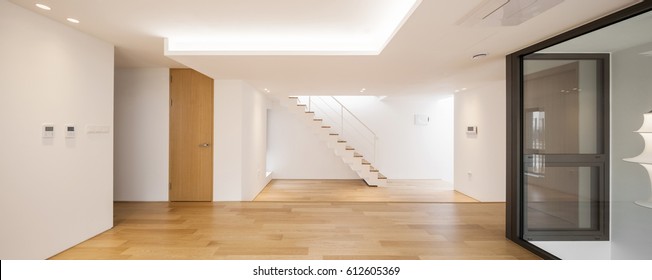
(310, 112)
(341, 141)
(333, 134)
(317, 120)
(365, 162)
(325, 126)
(349, 148)
(293, 97)
(381, 176)
(355, 154)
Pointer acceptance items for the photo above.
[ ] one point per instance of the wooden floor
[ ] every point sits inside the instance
(358, 191)
(303, 230)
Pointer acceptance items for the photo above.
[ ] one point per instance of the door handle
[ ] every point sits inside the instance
(204, 145)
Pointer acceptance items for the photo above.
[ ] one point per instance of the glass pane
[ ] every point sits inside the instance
(559, 198)
(560, 107)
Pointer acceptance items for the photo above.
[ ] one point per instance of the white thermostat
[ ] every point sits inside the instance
(70, 131)
(420, 119)
(47, 130)
(472, 130)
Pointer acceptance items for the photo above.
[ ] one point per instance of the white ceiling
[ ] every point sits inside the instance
(430, 53)
(623, 35)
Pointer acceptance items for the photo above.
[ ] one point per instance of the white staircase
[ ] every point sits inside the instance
(332, 128)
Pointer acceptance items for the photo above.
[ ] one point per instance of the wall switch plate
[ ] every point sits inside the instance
(98, 129)
(47, 130)
(70, 131)
(472, 130)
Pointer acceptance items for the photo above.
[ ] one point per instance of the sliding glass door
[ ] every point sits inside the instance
(573, 101)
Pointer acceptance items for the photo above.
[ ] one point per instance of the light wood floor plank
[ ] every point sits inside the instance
(311, 219)
(289, 230)
(358, 191)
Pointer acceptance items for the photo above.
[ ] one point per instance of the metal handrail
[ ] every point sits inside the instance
(356, 117)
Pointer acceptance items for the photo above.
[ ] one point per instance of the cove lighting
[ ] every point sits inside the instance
(44, 7)
(72, 20)
(367, 34)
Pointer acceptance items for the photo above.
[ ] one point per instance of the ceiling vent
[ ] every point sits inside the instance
(506, 12)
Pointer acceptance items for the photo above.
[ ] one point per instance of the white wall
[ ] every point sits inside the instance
(483, 155)
(631, 225)
(254, 138)
(54, 192)
(227, 143)
(239, 145)
(295, 152)
(141, 134)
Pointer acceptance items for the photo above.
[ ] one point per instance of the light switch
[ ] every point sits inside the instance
(47, 130)
(70, 131)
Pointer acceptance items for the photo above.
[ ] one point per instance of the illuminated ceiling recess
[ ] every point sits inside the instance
(365, 33)
(506, 12)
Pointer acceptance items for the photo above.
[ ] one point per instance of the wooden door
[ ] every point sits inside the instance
(191, 136)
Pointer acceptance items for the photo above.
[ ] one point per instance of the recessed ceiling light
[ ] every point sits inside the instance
(44, 7)
(463, 88)
(363, 90)
(72, 20)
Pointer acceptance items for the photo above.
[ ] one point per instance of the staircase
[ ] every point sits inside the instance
(333, 122)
